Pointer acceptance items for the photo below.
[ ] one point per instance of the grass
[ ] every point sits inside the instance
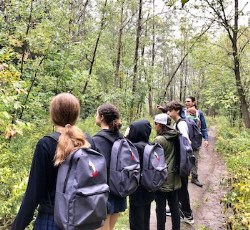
(233, 144)
(123, 220)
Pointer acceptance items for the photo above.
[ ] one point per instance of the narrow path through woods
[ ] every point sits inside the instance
(205, 201)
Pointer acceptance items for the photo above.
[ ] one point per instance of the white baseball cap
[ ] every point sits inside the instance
(162, 118)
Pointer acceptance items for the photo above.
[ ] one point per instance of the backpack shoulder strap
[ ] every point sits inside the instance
(90, 140)
(141, 143)
(55, 136)
(106, 136)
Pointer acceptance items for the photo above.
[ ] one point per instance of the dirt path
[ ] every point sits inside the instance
(205, 201)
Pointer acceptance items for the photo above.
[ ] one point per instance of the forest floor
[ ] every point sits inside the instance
(205, 201)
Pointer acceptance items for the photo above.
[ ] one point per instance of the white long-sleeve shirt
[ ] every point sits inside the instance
(183, 129)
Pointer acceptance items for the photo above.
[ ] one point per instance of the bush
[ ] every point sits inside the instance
(233, 144)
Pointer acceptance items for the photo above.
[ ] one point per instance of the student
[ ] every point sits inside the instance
(192, 113)
(140, 201)
(190, 106)
(167, 137)
(108, 118)
(64, 112)
(174, 109)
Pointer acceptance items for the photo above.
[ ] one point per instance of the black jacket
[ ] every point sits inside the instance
(41, 184)
(139, 132)
(104, 145)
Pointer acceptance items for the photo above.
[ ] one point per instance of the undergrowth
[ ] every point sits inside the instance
(233, 143)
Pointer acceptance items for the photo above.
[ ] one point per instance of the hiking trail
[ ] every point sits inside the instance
(205, 201)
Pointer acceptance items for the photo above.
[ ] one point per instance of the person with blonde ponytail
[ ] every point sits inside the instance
(48, 155)
(108, 119)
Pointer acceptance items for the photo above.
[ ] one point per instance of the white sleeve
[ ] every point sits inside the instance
(183, 128)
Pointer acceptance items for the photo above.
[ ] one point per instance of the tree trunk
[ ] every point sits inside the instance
(185, 79)
(136, 57)
(150, 90)
(25, 45)
(30, 88)
(243, 101)
(92, 61)
(184, 57)
(119, 49)
(181, 76)
(232, 32)
(81, 19)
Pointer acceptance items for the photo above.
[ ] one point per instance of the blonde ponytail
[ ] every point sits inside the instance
(71, 138)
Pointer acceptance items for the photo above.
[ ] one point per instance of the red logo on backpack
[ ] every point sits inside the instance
(93, 169)
(156, 155)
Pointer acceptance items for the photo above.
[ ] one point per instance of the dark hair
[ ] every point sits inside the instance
(192, 98)
(175, 105)
(163, 129)
(110, 115)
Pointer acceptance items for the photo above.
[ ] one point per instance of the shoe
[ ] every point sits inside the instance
(187, 219)
(168, 213)
(196, 182)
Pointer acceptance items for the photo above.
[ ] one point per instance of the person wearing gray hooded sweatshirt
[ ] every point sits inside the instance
(140, 200)
(167, 137)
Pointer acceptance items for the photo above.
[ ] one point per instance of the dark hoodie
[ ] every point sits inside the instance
(139, 132)
(167, 141)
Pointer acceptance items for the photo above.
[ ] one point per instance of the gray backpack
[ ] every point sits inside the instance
(194, 133)
(154, 171)
(81, 191)
(124, 167)
(185, 158)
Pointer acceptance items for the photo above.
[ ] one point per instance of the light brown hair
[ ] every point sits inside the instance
(64, 112)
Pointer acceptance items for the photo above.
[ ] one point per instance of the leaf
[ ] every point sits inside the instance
(183, 2)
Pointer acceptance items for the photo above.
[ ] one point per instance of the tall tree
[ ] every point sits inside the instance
(232, 29)
(150, 89)
(92, 60)
(136, 56)
(119, 47)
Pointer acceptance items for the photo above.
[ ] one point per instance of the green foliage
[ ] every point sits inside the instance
(16, 155)
(46, 49)
(234, 144)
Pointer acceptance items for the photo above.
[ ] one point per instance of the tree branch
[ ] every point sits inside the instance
(183, 58)
(244, 46)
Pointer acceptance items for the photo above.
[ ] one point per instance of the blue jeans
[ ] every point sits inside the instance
(161, 199)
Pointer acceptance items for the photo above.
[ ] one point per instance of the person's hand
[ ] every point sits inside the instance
(160, 107)
(206, 144)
